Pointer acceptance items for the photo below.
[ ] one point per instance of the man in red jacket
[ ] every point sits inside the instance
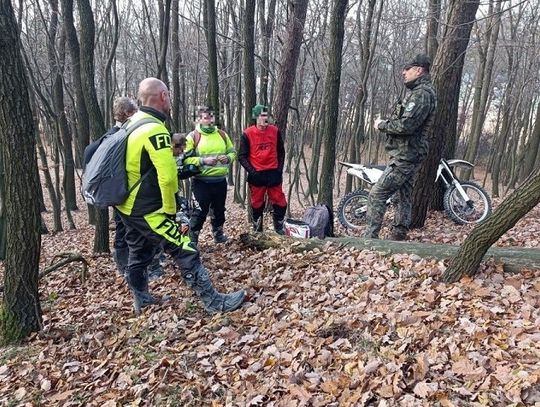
(262, 154)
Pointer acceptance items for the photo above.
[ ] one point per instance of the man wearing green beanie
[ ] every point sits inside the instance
(262, 154)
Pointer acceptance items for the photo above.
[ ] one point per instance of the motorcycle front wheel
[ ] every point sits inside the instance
(473, 211)
(352, 209)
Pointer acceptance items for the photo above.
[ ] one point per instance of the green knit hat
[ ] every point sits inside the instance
(257, 110)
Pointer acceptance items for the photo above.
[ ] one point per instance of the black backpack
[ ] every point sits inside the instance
(105, 181)
(320, 220)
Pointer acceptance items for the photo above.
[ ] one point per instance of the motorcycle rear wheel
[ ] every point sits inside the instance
(352, 209)
(462, 212)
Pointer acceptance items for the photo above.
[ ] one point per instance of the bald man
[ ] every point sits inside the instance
(150, 208)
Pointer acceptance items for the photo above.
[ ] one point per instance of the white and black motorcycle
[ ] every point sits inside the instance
(464, 201)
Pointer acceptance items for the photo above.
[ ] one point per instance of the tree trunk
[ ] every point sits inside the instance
(287, 72)
(56, 65)
(20, 313)
(164, 42)
(97, 126)
(178, 71)
(483, 88)
(2, 211)
(109, 85)
(533, 147)
(333, 80)
(434, 15)
(267, 29)
(250, 96)
(482, 237)
(367, 40)
(210, 31)
(83, 125)
(447, 70)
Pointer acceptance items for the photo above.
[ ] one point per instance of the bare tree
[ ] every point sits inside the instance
(250, 95)
(287, 72)
(20, 313)
(97, 126)
(210, 32)
(83, 125)
(333, 80)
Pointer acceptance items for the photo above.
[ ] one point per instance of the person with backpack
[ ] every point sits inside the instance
(212, 151)
(262, 154)
(150, 208)
(123, 108)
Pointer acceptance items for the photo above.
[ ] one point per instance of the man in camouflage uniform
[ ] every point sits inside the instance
(407, 146)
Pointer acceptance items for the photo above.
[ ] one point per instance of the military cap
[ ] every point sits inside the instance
(419, 60)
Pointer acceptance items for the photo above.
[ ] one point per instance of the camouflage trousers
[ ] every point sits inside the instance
(396, 182)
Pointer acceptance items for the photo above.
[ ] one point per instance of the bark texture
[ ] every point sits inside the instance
(287, 73)
(20, 313)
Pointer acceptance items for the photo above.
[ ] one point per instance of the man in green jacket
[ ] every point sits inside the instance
(212, 151)
(149, 211)
(406, 143)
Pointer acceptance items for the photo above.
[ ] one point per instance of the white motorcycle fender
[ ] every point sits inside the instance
(453, 163)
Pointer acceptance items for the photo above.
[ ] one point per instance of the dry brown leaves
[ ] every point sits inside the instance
(324, 328)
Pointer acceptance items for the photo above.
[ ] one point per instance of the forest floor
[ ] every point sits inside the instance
(323, 328)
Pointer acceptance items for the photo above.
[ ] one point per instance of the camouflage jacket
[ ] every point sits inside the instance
(406, 129)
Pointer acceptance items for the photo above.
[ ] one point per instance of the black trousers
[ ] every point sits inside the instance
(120, 235)
(144, 234)
(209, 194)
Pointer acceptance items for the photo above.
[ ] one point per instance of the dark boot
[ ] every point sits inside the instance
(257, 219)
(398, 234)
(155, 269)
(219, 236)
(141, 296)
(278, 217)
(213, 301)
(194, 236)
(121, 257)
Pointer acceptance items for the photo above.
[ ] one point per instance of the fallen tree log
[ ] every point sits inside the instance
(514, 259)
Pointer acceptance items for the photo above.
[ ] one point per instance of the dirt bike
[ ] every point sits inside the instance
(464, 201)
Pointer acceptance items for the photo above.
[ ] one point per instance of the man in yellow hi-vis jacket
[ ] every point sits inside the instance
(211, 150)
(149, 211)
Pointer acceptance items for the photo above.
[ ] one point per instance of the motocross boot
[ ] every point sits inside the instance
(213, 301)
(257, 219)
(194, 236)
(141, 296)
(278, 216)
(219, 236)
